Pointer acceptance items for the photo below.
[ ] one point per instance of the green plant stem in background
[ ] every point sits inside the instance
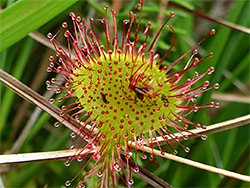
(219, 45)
(17, 73)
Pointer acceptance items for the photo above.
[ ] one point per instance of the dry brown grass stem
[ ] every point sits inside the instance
(231, 97)
(198, 165)
(218, 127)
(44, 40)
(55, 155)
(37, 156)
(36, 99)
(65, 154)
(212, 19)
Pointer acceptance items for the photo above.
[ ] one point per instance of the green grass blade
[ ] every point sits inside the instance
(229, 146)
(236, 73)
(96, 7)
(25, 16)
(53, 142)
(218, 44)
(17, 73)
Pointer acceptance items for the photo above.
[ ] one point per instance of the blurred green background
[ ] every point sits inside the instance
(27, 60)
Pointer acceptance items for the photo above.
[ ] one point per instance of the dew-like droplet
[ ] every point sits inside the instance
(187, 149)
(49, 87)
(67, 183)
(82, 185)
(67, 163)
(149, 24)
(211, 70)
(212, 32)
(73, 135)
(198, 125)
(49, 69)
(72, 147)
(56, 124)
(78, 19)
(203, 137)
(51, 58)
(52, 100)
(211, 104)
(216, 86)
(64, 24)
(136, 170)
(96, 156)
(206, 83)
(63, 107)
(79, 158)
(164, 68)
(151, 158)
(58, 91)
(106, 7)
(49, 35)
(61, 113)
(117, 167)
(60, 99)
(195, 108)
(66, 34)
(130, 182)
(53, 80)
(73, 16)
(144, 156)
(217, 105)
(203, 127)
(127, 156)
(99, 174)
(175, 152)
(118, 145)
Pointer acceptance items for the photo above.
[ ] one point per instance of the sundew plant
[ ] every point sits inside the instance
(133, 81)
(123, 97)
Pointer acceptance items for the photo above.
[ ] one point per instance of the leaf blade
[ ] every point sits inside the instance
(25, 16)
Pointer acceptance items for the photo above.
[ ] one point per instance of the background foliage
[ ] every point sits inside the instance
(27, 60)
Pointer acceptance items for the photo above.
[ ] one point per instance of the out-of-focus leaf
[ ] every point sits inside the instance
(23, 17)
(17, 72)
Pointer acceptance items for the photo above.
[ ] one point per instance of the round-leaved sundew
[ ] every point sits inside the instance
(122, 94)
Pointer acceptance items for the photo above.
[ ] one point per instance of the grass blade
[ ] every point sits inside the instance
(25, 16)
